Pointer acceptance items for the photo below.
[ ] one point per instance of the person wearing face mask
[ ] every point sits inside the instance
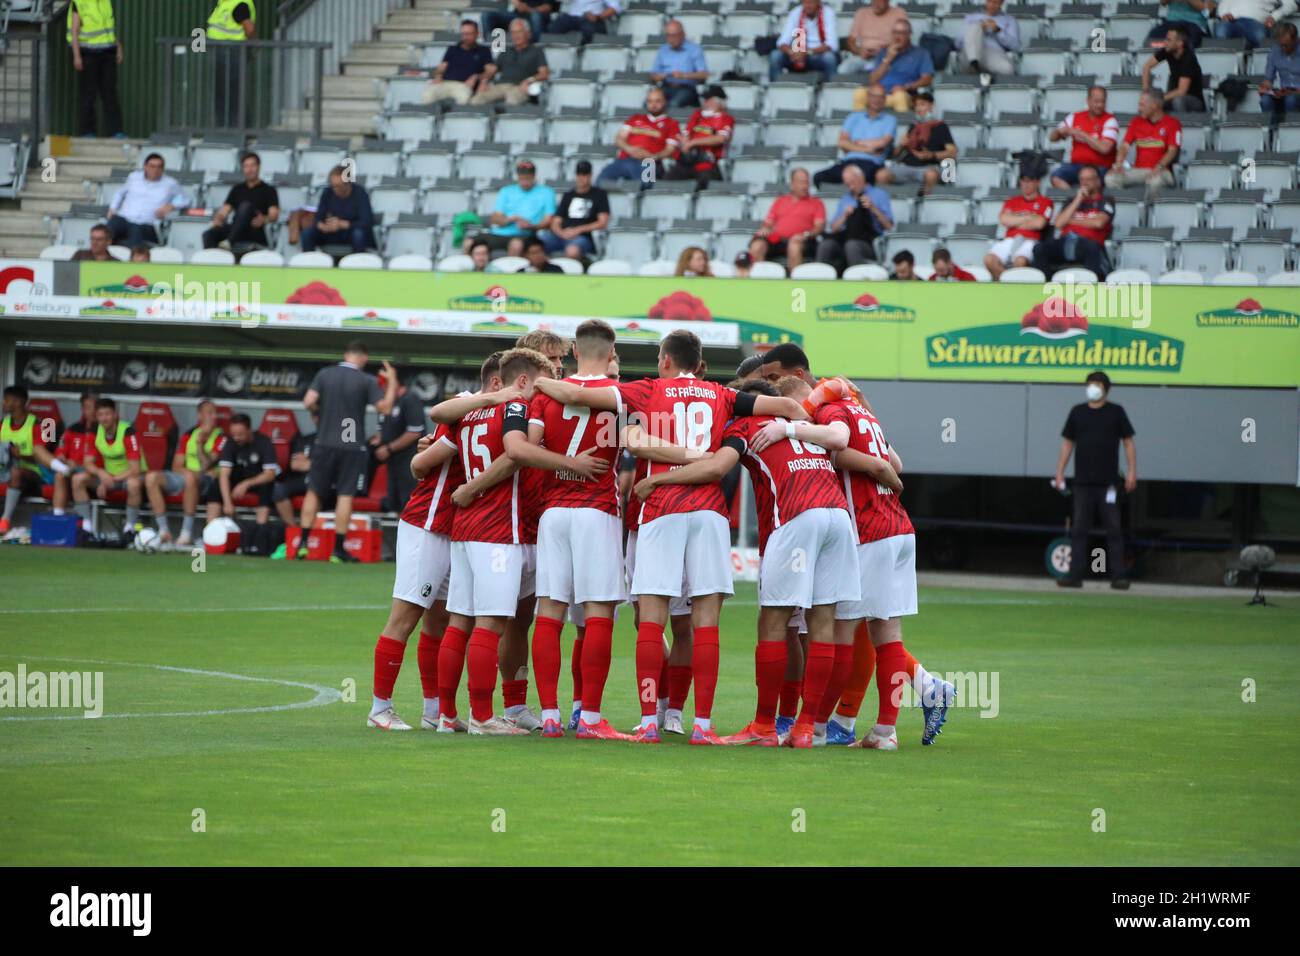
(1092, 433)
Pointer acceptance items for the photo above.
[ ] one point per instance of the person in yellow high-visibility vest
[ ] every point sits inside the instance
(96, 55)
(23, 436)
(116, 461)
(193, 475)
(231, 21)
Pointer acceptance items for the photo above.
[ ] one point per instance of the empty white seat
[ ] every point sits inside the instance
(1075, 274)
(571, 267)
(1181, 277)
(261, 257)
(1235, 278)
(311, 260)
(214, 257)
(609, 267)
(813, 270)
(58, 253)
(1025, 274)
(456, 263)
(507, 264)
(1128, 277)
(658, 268)
(166, 254)
(1283, 279)
(410, 262)
(867, 271)
(722, 270)
(361, 260)
(767, 270)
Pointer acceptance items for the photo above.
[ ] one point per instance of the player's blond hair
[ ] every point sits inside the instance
(792, 385)
(519, 361)
(543, 341)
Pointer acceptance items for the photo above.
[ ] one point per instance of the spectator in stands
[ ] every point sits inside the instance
(77, 443)
(866, 139)
(1024, 216)
(869, 33)
(1279, 91)
(394, 444)
(919, 158)
(481, 252)
(147, 196)
(1082, 228)
(463, 70)
(24, 436)
(644, 142)
(339, 394)
(1186, 92)
(343, 215)
(231, 22)
(807, 41)
(905, 267)
(100, 240)
(537, 14)
(945, 270)
(538, 260)
(1191, 15)
(1251, 20)
(96, 55)
(744, 265)
(140, 254)
(587, 17)
(1093, 432)
(583, 211)
(792, 224)
(679, 67)
(246, 466)
(1156, 138)
(901, 68)
(113, 462)
(192, 475)
(292, 483)
(1094, 134)
(517, 71)
(705, 139)
(249, 206)
(987, 39)
(863, 214)
(693, 262)
(521, 208)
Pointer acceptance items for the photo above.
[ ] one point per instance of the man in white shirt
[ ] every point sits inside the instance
(987, 39)
(1252, 20)
(147, 196)
(808, 41)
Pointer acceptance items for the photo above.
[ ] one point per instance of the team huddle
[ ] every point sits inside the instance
(542, 497)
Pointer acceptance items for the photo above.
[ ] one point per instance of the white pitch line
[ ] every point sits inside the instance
(324, 695)
(199, 610)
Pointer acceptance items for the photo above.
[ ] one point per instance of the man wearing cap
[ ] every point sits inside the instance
(521, 209)
(743, 265)
(644, 142)
(705, 139)
(583, 211)
(516, 70)
(679, 66)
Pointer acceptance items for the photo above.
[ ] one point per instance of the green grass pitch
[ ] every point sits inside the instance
(1126, 704)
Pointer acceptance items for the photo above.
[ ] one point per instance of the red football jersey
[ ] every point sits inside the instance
(703, 123)
(496, 515)
(429, 506)
(1104, 126)
(78, 442)
(571, 430)
(1150, 141)
(876, 509)
(651, 133)
(789, 476)
(685, 411)
(1040, 205)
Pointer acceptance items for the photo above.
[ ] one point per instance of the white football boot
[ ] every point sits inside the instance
(387, 719)
(495, 727)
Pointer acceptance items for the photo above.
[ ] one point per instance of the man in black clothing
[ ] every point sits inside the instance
(1093, 432)
(249, 206)
(850, 238)
(394, 443)
(583, 211)
(343, 215)
(293, 482)
(247, 466)
(538, 261)
(1186, 92)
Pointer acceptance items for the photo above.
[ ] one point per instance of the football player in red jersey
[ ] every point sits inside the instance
(807, 548)
(682, 527)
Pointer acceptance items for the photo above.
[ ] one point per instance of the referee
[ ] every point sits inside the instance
(339, 395)
(1093, 432)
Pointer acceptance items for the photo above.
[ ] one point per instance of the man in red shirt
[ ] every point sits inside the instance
(705, 140)
(644, 142)
(1082, 229)
(77, 442)
(1156, 138)
(683, 542)
(1024, 216)
(1093, 134)
(945, 270)
(792, 224)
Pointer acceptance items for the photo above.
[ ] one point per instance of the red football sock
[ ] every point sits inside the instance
(595, 649)
(661, 688)
(816, 675)
(482, 662)
(840, 675)
(864, 663)
(451, 662)
(679, 686)
(515, 692)
(575, 664)
(891, 674)
(649, 661)
(427, 655)
(546, 661)
(388, 661)
(704, 664)
(769, 669)
(790, 691)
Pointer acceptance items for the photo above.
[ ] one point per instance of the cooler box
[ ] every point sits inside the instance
(364, 541)
(55, 531)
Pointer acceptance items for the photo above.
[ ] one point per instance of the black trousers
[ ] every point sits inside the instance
(238, 228)
(99, 78)
(1071, 249)
(400, 480)
(1089, 502)
(833, 175)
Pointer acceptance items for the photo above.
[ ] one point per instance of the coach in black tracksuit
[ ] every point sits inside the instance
(1093, 432)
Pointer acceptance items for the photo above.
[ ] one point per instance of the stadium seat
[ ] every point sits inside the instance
(373, 500)
(837, 99)
(759, 166)
(1221, 57)
(606, 55)
(1244, 132)
(1046, 57)
(1288, 279)
(262, 257)
(788, 132)
(640, 23)
(1181, 277)
(670, 199)
(484, 162)
(277, 150)
(657, 268)
(165, 254)
(1122, 95)
(1023, 274)
(785, 94)
(742, 96)
(520, 125)
(576, 92)
(1205, 251)
(311, 260)
(1264, 252)
(174, 148)
(573, 126)
(1213, 171)
(410, 262)
(1237, 210)
(722, 202)
(155, 427)
(610, 267)
(218, 152)
(571, 267)
(561, 51)
(464, 125)
(1274, 173)
(1179, 210)
(1075, 274)
(982, 169)
(456, 263)
(447, 198)
(405, 90)
(317, 158)
(1131, 22)
(867, 271)
(281, 426)
(946, 209)
(767, 270)
(917, 238)
(58, 253)
(1146, 249)
(507, 264)
(747, 22)
(1109, 61)
(1286, 138)
(969, 243)
(362, 260)
(731, 241)
(683, 234)
(409, 126)
(1013, 132)
(814, 270)
(213, 257)
(1012, 94)
(1235, 278)
(410, 235)
(1130, 211)
(1128, 277)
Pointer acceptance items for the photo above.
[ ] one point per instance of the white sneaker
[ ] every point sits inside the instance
(673, 725)
(819, 740)
(451, 725)
(495, 727)
(429, 723)
(387, 719)
(185, 541)
(525, 720)
(874, 741)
